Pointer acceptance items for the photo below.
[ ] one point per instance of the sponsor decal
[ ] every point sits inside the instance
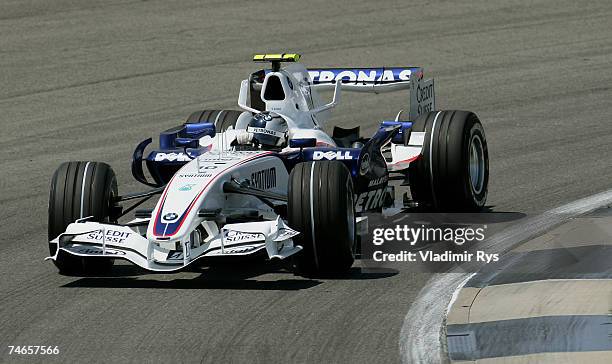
(424, 93)
(264, 179)
(170, 216)
(172, 157)
(378, 181)
(332, 155)
(240, 249)
(422, 97)
(274, 133)
(195, 175)
(186, 187)
(110, 236)
(366, 75)
(370, 200)
(285, 233)
(232, 236)
(99, 251)
(177, 254)
(216, 159)
(364, 167)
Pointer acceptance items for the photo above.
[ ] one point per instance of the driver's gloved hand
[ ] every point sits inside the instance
(243, 138)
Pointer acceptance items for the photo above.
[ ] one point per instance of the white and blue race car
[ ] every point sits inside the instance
(267, 180)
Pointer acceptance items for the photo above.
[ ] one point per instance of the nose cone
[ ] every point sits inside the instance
(178, 204)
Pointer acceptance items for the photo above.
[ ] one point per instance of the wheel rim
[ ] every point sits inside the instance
(477, 164)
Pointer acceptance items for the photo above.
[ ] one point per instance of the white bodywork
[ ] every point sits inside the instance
(176, 236)
(180, 231)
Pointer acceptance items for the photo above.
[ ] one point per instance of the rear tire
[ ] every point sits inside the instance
(325, 219)
(222, 119)
(78, 190)
(453, 173)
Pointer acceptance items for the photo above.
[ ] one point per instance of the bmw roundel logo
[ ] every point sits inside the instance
(170, 216)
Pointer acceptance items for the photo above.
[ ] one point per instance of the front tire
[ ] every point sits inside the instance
(78, 190)
(453, 173)
(321, 207)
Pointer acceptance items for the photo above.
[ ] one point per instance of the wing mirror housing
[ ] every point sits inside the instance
(187, 142)
(198, 130)
(403, 135)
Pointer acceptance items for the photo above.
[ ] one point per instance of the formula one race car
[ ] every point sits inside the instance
(267, 180)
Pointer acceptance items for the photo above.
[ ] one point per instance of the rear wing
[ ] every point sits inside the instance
(373, 80)
(368, 79)
(378, 80)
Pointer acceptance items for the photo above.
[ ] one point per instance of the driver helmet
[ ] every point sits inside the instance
(269, 130)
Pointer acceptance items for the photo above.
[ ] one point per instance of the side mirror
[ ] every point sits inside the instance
(303, 143)
(198, 130)
(186, 142)
(403, 135)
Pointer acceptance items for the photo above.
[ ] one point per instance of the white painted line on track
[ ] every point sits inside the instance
(456, 292)
(422, 337)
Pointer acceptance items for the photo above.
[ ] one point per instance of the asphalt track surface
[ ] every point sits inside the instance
(88, 80)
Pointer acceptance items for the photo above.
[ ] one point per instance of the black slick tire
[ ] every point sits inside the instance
(453, 173)
(321, 207)
(78, 190)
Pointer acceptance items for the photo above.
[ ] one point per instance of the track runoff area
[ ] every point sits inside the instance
(511, 288)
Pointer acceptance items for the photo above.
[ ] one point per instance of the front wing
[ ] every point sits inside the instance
(95, 240)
